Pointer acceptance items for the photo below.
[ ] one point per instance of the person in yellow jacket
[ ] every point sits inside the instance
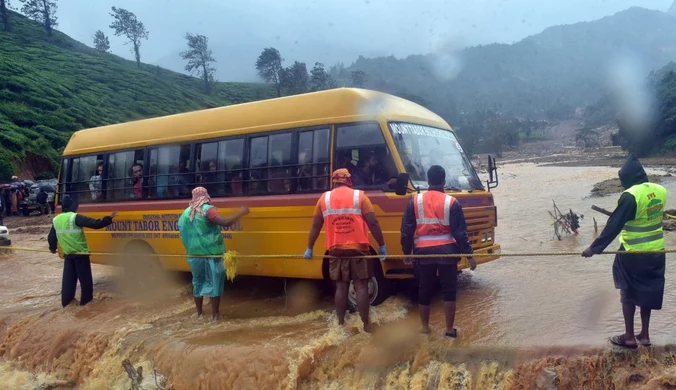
(640, 278)
(67, 231)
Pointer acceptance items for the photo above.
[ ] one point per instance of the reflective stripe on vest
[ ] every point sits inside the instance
(342, 212)
(644, 232)
(354, 210)
(71, 237)
(433, 226)
(72, 229)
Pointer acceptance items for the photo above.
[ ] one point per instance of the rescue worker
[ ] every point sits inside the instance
(640, 278)
(67, 231)
(200, 228)
(348, 215)
(434, 224)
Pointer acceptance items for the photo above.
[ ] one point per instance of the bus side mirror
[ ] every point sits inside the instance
(401, 187)
(492, 173)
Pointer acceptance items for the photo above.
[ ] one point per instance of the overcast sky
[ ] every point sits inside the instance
(327, 31)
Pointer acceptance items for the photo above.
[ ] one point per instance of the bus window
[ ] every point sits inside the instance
(364, 144)
(85, 183)
(258, 161)
(219, 166)
(313, 160)
(280, 157)
(64, 188)
(231, 161)
(96, 181)
(422, 146)
(170, 175)
(209, 174)
(126, 178)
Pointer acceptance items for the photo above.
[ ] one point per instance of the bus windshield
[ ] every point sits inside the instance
(422, 146)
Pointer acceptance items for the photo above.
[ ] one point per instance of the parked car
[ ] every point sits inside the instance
(30, 204)
(4, 236)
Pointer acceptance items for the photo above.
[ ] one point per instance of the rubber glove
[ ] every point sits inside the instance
(382, 251)
(308, 254)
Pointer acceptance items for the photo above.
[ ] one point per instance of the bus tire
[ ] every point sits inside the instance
(142, 269)
(378, 286)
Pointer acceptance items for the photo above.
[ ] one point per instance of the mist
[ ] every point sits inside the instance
(329, 32)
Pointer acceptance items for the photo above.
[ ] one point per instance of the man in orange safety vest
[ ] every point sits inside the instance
(434, 224)
(348, 215)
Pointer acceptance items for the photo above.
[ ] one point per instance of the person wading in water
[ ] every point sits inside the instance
(434, 224)
(200, 228)
(68, 233)
(640, 278)
(348, 215)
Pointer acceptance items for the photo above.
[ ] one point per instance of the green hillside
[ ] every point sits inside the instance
(50, 88)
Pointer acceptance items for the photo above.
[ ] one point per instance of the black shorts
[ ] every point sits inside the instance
(427, 278)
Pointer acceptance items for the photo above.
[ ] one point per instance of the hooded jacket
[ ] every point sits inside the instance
(631, 174)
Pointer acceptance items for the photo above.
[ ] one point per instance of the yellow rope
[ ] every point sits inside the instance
(231, 258)
(230, 261)
(299, 256)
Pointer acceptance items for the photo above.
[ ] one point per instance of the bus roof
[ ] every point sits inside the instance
(340, 105)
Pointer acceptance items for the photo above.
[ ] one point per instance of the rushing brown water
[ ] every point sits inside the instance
(531, 322)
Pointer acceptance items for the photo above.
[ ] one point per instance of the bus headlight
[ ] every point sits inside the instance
(484, 238)
(489, 236)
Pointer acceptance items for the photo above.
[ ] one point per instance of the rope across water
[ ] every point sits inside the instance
(300, 256)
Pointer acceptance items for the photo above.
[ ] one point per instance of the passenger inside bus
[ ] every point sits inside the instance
(372, 174)
(179, 181)
(137, 181)
(304, 173)
(209, 179)
(344, 160)
(96, 183)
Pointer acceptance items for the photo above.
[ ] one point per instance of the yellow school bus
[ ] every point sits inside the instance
(276, 157)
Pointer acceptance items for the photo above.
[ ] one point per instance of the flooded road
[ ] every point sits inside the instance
(513, 314)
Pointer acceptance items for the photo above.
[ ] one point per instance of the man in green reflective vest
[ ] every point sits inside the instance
(200, 228)
(67, 231)
(640, 278)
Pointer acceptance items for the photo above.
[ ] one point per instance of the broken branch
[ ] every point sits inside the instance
(601, 210)
(136, 375)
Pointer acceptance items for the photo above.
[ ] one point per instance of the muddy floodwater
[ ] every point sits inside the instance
(524, 322)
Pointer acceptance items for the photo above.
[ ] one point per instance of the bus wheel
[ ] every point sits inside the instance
(142, 269)
(378, 288)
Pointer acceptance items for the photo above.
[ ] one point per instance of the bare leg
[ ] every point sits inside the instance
(628, 311)
(449, 309)
(215, 308)
(198, 305)
(340, 298)
(362, 289)
(425, 318)
(644, 336)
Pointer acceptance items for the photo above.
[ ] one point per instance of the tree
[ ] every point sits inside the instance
(125, 23)
(358, 78)
(101, 42)
(269, 67)
(319, 79)
(42, 11)
(199, 58)
(4, 13)
(294, 79)
(588, 137)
